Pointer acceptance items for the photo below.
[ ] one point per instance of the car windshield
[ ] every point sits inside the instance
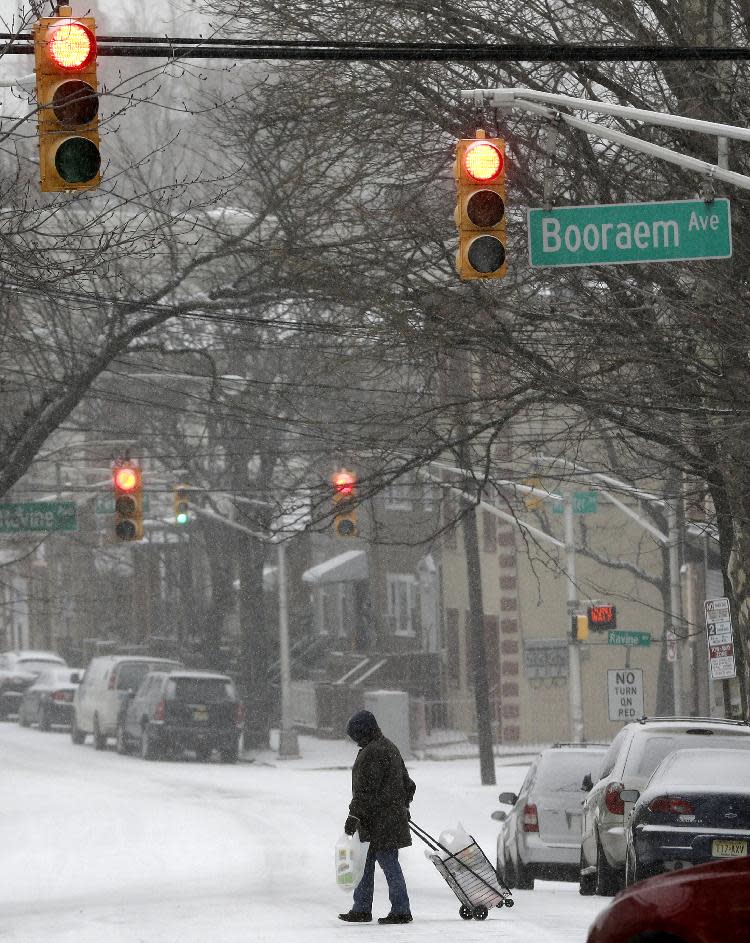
(717, 769)
(200, 689)
(563, 772)
(646, 755)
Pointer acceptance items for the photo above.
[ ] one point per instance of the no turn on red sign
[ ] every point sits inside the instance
(720, 640)
(625, 693)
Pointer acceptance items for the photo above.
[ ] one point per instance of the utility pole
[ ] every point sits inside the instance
(575, 685)
(288, 742)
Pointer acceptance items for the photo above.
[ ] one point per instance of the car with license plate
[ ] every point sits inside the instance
(705, 904)
(48, 702)
(632, 757)
(180, 710)
(694, 809)
(541, 835)
(103, 691)
(19, 670)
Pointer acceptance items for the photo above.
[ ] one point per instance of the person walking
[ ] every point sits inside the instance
(379, 810)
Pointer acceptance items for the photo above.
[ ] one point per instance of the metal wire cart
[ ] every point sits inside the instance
(469, 875)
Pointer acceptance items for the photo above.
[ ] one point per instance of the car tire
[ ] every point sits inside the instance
(121, 740)
(524, 877)
(607, 882)
(76, 734)
(149, 750)
(586, 882)
(44, 720)
(100, 740)
(507, 874)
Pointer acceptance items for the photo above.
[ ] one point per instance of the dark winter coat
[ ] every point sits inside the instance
(381, 793)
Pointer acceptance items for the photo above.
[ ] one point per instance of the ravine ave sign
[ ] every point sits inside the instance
(37, 517)
(629, 233)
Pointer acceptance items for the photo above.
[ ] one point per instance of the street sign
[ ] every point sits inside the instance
(629, 233)
(35, 517)
(720, 640)
(625, 693)
(632, 639)
(584, 502)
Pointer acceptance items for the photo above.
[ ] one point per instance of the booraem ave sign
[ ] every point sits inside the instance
(37, 517)
(628, 233)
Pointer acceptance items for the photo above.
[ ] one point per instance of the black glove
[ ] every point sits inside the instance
(351, 825)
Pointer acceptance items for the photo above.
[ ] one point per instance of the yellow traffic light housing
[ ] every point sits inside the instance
(181, 505)
(580, 628)
(127, 482)
(68, 101)
(344, 484)
(479, 170)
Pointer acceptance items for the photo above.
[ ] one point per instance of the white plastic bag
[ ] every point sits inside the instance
(350, 855)
(454, 839)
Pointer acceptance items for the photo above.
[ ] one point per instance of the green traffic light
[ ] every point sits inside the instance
(182, 517)
(77, 160)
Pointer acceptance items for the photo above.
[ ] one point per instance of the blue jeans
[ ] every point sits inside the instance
(388, 861)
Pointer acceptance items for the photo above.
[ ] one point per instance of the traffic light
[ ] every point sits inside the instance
(579, 628)
(480, 211)
(68, 102)
(181, 505)
(127, 482)
(602, 618)
(344, 484)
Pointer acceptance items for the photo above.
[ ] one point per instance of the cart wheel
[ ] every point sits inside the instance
(480, 912)
(509, 902)
(464, 912)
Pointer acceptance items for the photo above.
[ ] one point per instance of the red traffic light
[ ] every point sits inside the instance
(126, 479)
(70, 45)
(483, 162)
(344, 482)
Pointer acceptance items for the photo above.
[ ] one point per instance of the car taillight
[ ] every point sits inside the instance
(59, 695)
(612, 799)
(530, 818)
(239, 714)
(160, 710)
(671, 805)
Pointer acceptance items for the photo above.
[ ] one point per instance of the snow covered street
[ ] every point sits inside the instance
(102, 848)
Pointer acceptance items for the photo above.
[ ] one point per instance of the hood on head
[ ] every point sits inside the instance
(362, 728)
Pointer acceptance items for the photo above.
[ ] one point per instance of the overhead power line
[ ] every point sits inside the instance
(315, 50)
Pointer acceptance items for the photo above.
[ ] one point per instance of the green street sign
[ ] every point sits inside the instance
(584, 502)
(35, 517)
(629, 233)
(633, 639)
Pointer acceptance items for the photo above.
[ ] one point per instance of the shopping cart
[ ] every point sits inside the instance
(469, 875)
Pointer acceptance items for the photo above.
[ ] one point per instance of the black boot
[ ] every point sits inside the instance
(396, 918)
(356, 916)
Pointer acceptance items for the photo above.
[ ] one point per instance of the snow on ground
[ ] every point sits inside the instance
(101, 848)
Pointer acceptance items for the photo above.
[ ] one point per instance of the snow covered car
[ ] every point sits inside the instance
(632, 757)
(182, 710)
(19, 670)
(541, 835)
(48, 701)
(707, 904)
(695, 809)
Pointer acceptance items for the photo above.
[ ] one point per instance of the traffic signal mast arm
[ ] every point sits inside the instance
(518, 98)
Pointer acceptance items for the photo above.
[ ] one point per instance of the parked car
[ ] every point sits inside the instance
(707, 904)
(632, 757)
(182, 710)
(694, 809)
(18, 670)
(103, 689)
(541, 835)
(48, 701)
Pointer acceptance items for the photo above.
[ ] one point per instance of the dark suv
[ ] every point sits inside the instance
(182, 710)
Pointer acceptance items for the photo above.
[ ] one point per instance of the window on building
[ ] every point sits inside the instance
(489, 532)
(402, 603)
(399, 495)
